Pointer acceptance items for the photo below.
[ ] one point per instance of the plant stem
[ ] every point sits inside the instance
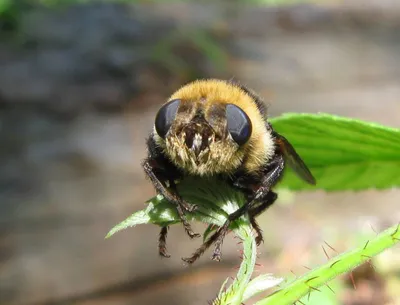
(310, 282)
(234, 294)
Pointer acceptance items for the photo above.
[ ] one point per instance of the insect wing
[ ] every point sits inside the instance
(294, 160)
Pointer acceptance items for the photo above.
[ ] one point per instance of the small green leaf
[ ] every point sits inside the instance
(214, 199)
(260, 284)
(140, 217)
(342, 153)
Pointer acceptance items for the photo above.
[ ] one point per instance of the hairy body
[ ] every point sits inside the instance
(218, 128)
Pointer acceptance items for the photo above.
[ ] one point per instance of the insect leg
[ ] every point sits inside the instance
(267, 202)
(269, 180)
(263, 190)
(162, 242)
(256, 227)
(255, 211)
(218, 236)
(213, 238)
(154, 173)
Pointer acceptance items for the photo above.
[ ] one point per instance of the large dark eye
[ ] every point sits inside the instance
(239, 124)
(165, 117)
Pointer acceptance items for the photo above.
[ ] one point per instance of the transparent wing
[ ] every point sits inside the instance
(294, 160)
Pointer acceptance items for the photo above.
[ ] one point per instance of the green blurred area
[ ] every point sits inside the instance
(5, 3)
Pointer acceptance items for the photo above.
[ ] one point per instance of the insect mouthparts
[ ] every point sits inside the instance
(196, 145)
(197, 134)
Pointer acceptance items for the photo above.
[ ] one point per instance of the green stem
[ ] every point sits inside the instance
(310, 282)
(234, 294)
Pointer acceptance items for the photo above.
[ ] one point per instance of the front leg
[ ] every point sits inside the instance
(259, 193)
(257, 210)
(158, 175)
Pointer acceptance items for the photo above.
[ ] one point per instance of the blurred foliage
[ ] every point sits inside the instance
(266, 2)
(181, 52)
(283, 2)
(9, 11)
(184, 52)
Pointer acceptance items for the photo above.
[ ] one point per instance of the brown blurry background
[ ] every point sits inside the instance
(79, 88)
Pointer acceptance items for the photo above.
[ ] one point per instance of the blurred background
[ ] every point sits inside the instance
(80, 82)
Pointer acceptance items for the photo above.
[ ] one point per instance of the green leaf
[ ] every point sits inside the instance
(214, 199)
(140, 217)
(342, 153)
(260, 284)
(210, 229)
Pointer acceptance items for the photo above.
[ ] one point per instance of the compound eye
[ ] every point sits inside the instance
(165, 117)
(238, 123)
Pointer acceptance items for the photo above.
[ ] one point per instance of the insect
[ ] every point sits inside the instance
(218, 128)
